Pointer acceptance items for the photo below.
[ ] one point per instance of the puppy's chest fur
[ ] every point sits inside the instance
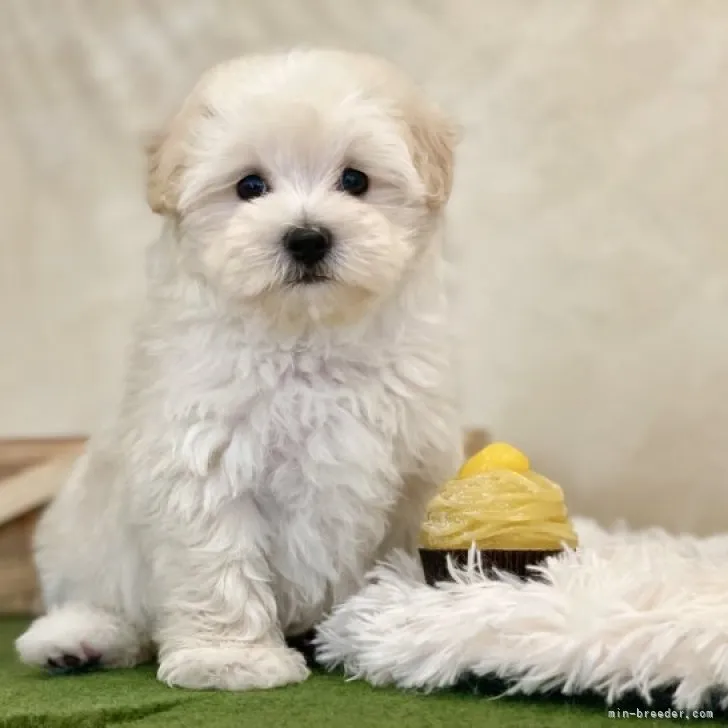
(321, 442)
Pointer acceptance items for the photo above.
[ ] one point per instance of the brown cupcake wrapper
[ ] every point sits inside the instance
(514, 562)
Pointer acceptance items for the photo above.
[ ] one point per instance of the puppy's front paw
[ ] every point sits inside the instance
(233, 668)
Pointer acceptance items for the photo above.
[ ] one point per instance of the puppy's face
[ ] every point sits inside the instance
(305, 183)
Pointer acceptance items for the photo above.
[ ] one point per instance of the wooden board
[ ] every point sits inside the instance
(30, 473)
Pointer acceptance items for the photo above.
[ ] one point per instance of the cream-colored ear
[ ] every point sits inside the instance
(167, 150)
(164, 169)
(434, 139)
(166, 155)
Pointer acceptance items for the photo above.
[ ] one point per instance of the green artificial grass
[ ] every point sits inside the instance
(134, 698)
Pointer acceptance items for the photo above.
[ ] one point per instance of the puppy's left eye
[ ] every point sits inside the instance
(251, 186)
(354, 182)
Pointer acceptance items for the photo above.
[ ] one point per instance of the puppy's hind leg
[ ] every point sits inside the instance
(91, 576)
(77, 636)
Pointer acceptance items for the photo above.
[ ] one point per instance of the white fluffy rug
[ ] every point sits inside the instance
(629, 612)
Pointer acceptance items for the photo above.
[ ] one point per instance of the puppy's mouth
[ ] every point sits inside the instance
(306, 277)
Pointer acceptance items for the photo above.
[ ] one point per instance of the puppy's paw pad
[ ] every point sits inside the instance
(233, 668)
(68, 663)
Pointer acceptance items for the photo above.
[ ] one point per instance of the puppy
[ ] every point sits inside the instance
(289, 407)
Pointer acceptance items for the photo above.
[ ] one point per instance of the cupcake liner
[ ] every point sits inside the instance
(515, 562)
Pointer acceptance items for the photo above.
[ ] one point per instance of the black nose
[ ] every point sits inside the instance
(308, 245)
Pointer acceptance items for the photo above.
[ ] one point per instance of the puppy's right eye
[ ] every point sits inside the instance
(251, 186)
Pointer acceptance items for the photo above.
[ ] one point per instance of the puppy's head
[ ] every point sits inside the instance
(304, 183)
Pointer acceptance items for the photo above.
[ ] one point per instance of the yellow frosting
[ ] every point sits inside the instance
(497, 502)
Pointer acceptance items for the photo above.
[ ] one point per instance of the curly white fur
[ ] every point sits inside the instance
(626, 612)
(276, 438)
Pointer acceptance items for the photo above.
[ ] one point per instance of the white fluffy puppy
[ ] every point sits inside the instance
(289, 405)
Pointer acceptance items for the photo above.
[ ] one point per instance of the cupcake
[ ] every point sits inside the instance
(498, 510)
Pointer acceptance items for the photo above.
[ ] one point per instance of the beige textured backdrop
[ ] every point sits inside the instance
(590, 209)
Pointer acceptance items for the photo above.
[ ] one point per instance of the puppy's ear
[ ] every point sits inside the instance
(434, 139)
(164, 168)
(168, 152)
